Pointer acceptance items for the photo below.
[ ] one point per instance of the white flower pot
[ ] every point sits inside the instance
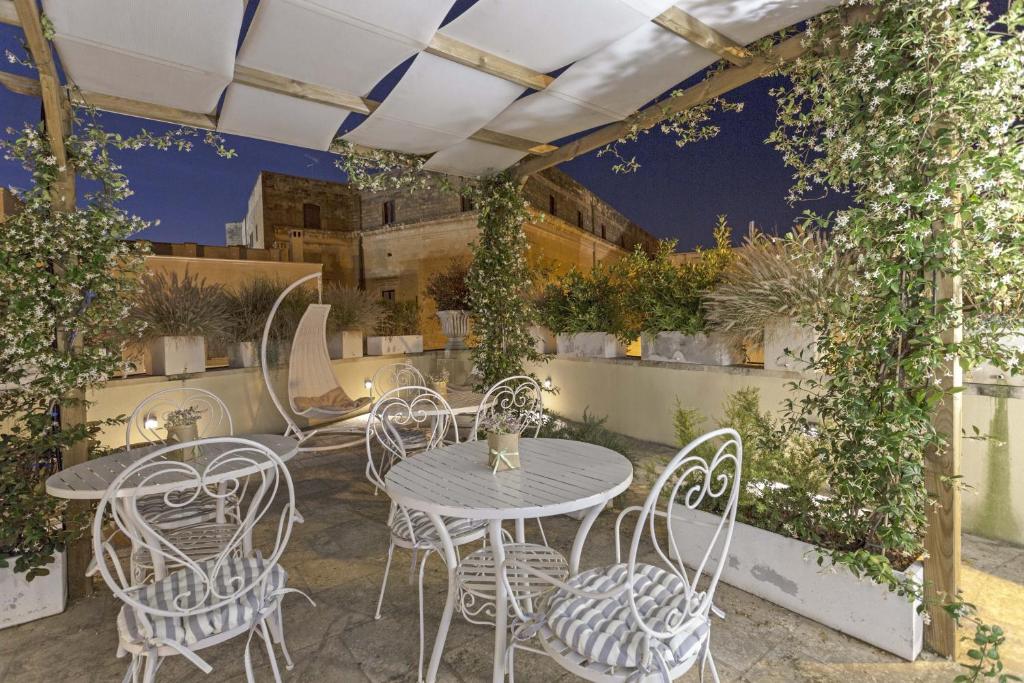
(345, 344)
(589, 345)
(389, 346)
(176, 355)
(986, 373)
(543, 339)
(455, 325)
(700, 348)
(22, 601)
(785, 571)
(788, 345)
(243, 354)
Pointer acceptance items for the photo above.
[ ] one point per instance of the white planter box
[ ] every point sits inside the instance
(986, 373)
(243, 355)
(345, 344)
(389, 346)
(543, 339)
(701, 348)
(176, 355)
(455, 325)
(785, 333)
(589, 345)
(785, 571)
(22, 601)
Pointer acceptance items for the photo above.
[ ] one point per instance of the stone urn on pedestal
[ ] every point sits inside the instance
(455, 325)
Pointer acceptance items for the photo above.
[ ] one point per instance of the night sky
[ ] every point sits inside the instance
(677, 193)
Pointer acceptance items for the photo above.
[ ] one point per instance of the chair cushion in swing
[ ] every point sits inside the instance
(335, 400)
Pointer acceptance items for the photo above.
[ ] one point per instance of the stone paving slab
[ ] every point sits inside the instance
(337, 557)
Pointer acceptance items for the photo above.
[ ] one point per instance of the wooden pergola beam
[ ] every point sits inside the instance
(145, 110)
(712, 87)
(9, 13)
(697, 32)
(54, 104)
(306, 91)
(475, 58)
(21, 84)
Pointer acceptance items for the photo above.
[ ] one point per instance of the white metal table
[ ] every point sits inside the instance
(557, 476)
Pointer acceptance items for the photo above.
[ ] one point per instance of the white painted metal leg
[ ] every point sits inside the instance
(423, 564)
(520, 531)
(271, 655)
(452, 562)
(581, 538)
(149, 675)
(384, 583)
(500, 603)
(277, 630)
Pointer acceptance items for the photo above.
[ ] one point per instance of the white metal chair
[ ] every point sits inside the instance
(314, 392)
(402, 375)
(634, 621)
(237, 591)
(420, 416)
(148, 420)
(519, 397)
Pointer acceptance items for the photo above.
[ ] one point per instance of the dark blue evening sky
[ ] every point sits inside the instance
(676, 193)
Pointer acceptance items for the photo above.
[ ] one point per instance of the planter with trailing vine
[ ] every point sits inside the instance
(784, 571)
(701, 348)
(43, 596)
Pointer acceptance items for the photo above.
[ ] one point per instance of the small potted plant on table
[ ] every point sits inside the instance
(182, 427)
(440, 382)
(503, 431)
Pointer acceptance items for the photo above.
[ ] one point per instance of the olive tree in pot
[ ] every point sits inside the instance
(248, 306)
(354, 312)
(180, 315)
(585, 311)
(450, 293)
(398, 330)
(664, 302)
(772, 294)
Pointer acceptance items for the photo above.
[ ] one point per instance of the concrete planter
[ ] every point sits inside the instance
(785, 571)
(543, 339)
(25, 601)
(455, 325)
(389, 346)
(345, 344)
(986, 373)
(788, 345)
(176, 355)
(589, 345)
(244, 355)
(701, 348)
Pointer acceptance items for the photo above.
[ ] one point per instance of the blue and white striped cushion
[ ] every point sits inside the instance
(605, 630)
(138, 626)
(426, 532)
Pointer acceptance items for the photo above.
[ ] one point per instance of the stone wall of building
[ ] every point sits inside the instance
(284, 198)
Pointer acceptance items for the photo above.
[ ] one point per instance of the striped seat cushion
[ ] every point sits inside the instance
(183, 510)
(424, 529)
(137, 626)
(605, 630)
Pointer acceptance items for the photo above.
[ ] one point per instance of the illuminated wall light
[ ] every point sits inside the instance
(151, 422)
(368, 383)
(548, 384)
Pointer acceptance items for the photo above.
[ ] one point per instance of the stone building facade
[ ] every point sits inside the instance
(390, 243)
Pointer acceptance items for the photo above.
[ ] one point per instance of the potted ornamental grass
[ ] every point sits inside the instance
(354, 312)
(771, 296)
(664, 299)
(248, 306)
(450, 293)
(585, 311)
(179, 315)
(397, 331)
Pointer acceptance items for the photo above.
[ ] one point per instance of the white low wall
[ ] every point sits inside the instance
(639, 399)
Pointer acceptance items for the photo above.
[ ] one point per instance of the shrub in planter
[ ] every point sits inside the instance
(179, 314)
(450, 292)
(585, 310)
(398, 330)
(248, 306)
(354, 312)
(663, 301)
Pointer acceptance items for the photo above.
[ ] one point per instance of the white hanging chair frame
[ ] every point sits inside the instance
(290, 412)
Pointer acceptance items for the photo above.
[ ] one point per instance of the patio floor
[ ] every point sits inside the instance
(337, 557)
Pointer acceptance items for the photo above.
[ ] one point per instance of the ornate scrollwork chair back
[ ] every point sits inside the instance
(148, 422)
(403, 376)
(518, 397)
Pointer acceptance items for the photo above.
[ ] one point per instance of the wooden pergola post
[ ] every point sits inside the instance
(942, 467)
(57, 118)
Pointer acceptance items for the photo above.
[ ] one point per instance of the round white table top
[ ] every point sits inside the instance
(90, 480)
(556, 476)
